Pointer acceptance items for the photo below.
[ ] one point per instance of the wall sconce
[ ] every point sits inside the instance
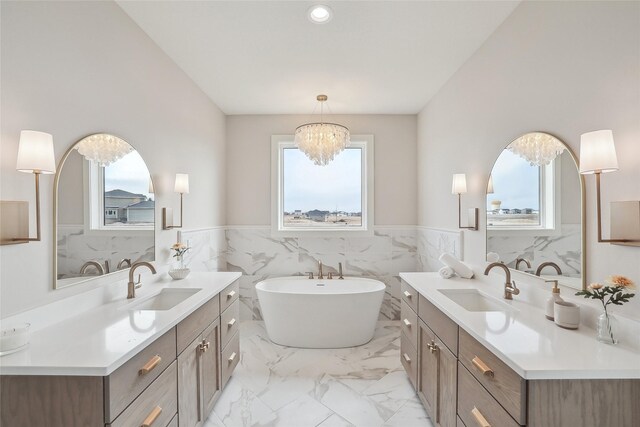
(459, 186)
(598, 156)
(490, 185)
(36, 156)
(182, 187)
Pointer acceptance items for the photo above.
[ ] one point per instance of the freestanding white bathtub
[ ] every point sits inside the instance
(312, 313)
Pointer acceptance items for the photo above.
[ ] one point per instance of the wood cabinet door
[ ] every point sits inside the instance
(210, 361)
(428, 371)
(190, 408)
(447, 386)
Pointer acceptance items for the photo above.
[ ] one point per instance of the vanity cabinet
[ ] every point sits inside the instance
(173, 382)
(462, 383)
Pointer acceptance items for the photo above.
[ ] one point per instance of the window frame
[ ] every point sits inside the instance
(281, 142)
(550, 206)
(94, 209)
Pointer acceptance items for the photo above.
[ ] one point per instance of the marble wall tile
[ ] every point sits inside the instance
(208, 249)
(258, 255)
(432, 243)
(564, 249)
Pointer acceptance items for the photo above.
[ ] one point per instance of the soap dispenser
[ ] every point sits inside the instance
(555, 297)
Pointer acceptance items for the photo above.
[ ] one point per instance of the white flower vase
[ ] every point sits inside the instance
(607, 324)
(180, 271)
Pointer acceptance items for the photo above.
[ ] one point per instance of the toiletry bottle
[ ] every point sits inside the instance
(555, 296)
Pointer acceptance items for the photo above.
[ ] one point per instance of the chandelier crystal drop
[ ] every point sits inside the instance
(539, 149)
(320, 141)
(103, 149)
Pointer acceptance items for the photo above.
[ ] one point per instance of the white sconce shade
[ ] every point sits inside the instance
(597, 152)
(35, 153)
(182, 183)
(490, 185)
(459, 184)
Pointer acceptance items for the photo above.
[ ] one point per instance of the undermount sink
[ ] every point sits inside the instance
(473, 300)
(165, 300)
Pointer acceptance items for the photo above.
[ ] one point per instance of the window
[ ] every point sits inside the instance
(524, 194)
(119, 195)
(335, 197)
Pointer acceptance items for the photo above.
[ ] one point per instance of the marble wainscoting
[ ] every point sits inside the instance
(75, 247)
(208, 248)
(258, 255)
(433, 242)
(564, 248)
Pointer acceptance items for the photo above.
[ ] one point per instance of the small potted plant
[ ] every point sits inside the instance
(615, 291)
(180, 271)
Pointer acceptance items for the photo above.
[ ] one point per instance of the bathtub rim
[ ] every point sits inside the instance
(382, 285)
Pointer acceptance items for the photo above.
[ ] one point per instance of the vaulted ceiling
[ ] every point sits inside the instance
(266, 57)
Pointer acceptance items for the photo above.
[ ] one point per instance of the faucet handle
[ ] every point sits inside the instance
(310, 273)
(138, 284)
(330, 276)
(514, 288)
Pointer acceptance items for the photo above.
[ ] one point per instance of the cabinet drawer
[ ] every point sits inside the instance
(409, 358)
(129, 380)
(229, 295)
(229, 358)
(157, 405)
(409, 323)
(445, 328)
(192, 326)
(476, 405)
(229, 323)
(506, 386)
(409, 295)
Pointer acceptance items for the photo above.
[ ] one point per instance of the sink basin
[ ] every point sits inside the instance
(165, 300)
(473, 300)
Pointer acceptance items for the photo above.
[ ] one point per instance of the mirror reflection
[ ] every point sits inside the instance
(105, 210)
(535, 209)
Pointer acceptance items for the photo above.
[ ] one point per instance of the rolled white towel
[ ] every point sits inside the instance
(493, 257)
(446, 272)
(459, 267)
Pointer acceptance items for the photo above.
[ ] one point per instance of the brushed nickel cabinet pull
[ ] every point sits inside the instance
(432, 346)
(152, 417)
(407, 294)
(406, 357)
(150, 365)
(204, 346)
(406, 322)
(232, 357)
(478, 363)
(232, 322)
(480, 419)
(231, 294)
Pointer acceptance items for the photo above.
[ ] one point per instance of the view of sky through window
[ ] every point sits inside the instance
(516, 183)
(318, 195)
(129, 173)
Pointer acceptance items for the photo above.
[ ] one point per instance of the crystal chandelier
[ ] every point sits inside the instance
(539, 149)
(103, 149)
(321, 141)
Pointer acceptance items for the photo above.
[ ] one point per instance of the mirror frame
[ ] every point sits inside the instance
(56, 182)
(583, 208)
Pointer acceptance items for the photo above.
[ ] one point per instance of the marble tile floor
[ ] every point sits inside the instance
(362, 386)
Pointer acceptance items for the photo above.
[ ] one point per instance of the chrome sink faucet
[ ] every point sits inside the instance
(132, 286)
(548, 264)
(510, 288)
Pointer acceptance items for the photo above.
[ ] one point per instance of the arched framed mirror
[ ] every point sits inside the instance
(104, 210)
(536, 210)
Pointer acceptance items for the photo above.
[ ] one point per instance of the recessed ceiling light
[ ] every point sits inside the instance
(320, 14)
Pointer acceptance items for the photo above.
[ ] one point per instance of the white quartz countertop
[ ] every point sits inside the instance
(521, 336)
(99, 341)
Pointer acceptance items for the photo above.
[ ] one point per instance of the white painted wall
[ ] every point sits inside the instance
(560, 67)
(249, 170)
(76, 68)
